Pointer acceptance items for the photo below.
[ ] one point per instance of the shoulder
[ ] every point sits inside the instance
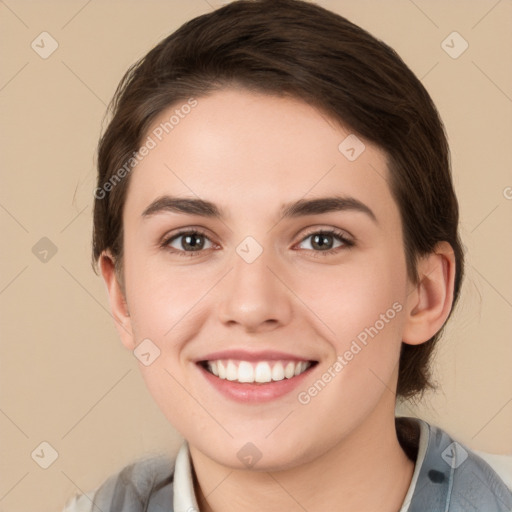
(80, 503)
(458, 478)
(502, 464)
(146, 482)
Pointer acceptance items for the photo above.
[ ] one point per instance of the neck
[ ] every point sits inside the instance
(367, 471)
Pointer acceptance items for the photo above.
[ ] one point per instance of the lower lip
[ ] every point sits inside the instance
(254, 393)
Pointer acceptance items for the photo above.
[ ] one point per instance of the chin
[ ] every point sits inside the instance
(255, 453)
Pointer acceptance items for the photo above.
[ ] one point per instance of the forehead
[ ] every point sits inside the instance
(254, 152)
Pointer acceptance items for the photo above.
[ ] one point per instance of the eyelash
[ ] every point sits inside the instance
(333, 232)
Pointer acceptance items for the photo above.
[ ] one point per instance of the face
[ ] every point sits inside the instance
(257, 286)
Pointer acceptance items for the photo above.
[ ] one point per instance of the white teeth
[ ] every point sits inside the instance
(213, 368)
(278, 372)
(222, 369)
(245, 372)
(263, 371)
(289, 371)
(231, 371)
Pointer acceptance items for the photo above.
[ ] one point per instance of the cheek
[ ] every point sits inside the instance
(362, 308)
(161, 298)
(349, 298)
(367, 317)
(170, 390)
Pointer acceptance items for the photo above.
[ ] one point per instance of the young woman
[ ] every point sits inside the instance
(277, 228)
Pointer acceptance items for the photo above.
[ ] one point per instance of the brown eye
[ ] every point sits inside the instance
(186, 243)
(323, 241)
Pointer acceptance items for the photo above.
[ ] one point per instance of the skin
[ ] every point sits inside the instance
(250, 153)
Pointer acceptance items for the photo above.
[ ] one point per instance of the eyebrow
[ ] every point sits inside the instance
(300, 208)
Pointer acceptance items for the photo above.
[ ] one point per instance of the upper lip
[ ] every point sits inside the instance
(244, 355)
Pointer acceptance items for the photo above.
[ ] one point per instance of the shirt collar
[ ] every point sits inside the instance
(422, 450)
(184, 499)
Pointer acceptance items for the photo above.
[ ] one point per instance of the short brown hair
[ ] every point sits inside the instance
(292, 47)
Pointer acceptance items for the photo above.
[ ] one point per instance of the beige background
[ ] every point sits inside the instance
(65, 377)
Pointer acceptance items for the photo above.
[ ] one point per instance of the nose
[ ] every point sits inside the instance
(254, 295)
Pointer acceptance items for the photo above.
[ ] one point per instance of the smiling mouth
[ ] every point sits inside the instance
(260, 372)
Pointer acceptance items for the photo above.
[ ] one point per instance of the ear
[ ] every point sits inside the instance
(429, 302)
(118, 304)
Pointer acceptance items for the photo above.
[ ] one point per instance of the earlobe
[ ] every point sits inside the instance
(118, 304)
(430, 302)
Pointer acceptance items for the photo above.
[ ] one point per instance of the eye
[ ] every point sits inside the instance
(322, 244)
(187, 243)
